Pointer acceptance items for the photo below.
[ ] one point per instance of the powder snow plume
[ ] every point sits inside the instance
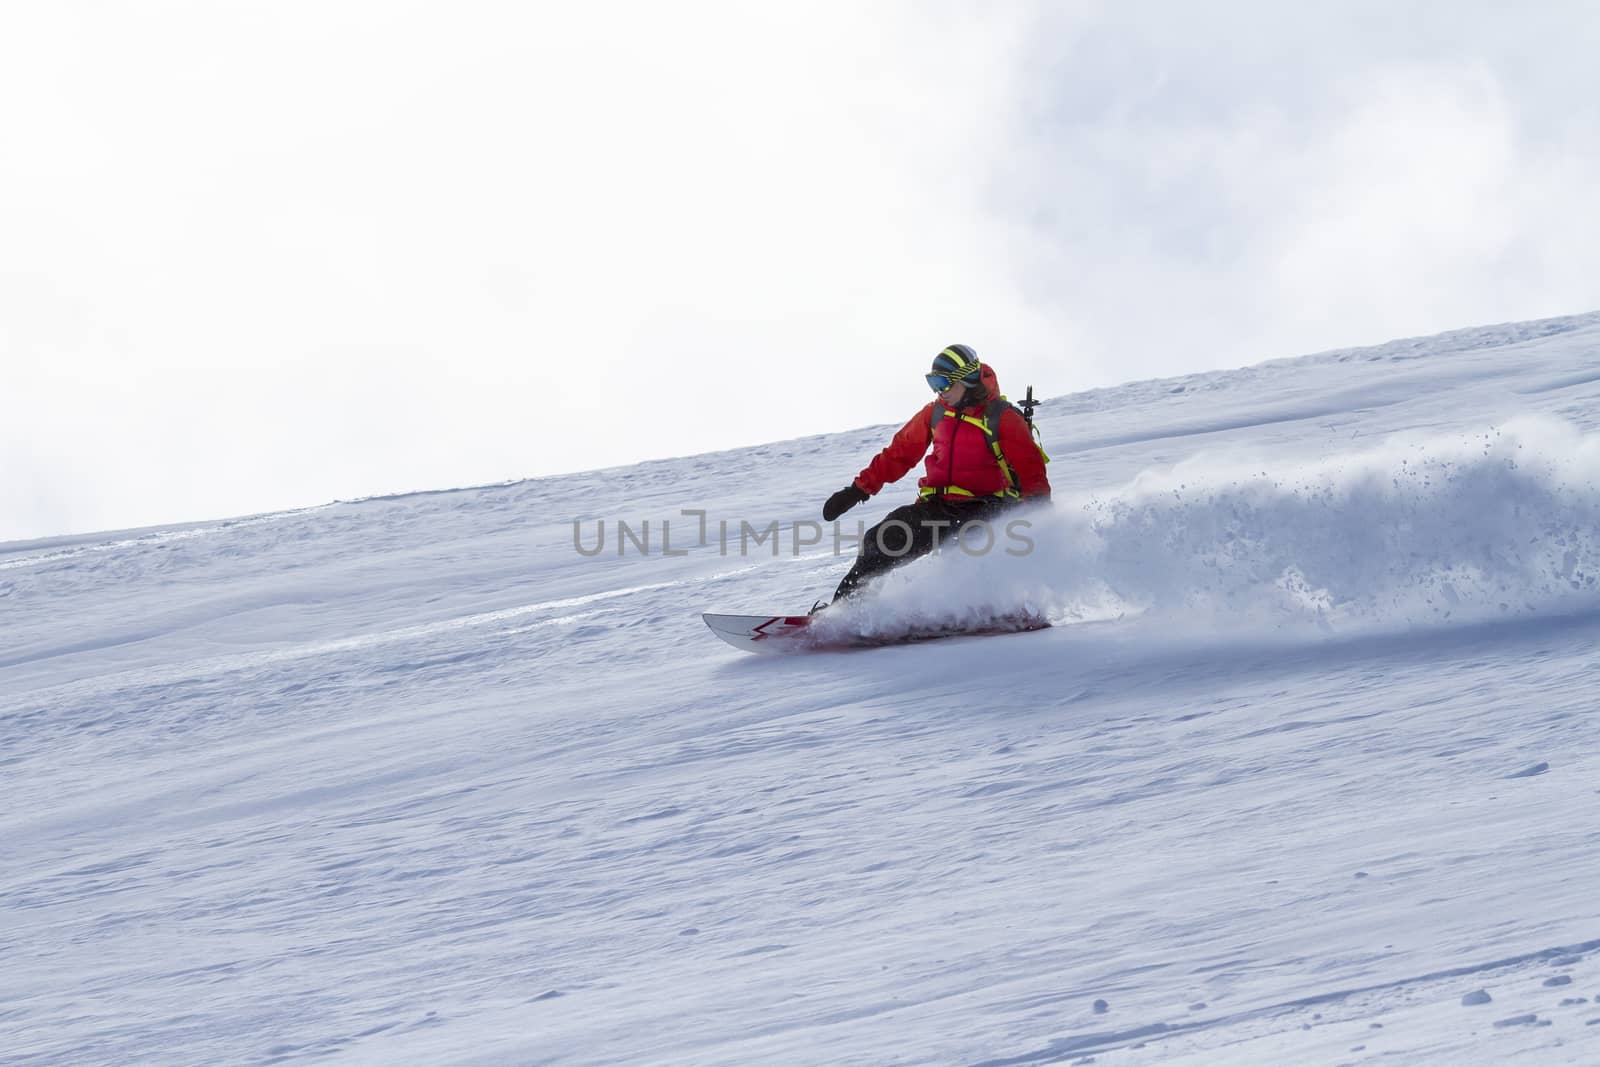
(1418, 532)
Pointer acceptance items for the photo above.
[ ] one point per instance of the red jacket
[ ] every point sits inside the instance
(961, 454)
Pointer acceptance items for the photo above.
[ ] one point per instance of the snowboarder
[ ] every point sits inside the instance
(983, 461)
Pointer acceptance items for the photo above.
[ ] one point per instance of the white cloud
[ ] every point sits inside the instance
(256, 256)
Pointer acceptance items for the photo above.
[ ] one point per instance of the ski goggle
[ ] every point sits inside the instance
(940, 382)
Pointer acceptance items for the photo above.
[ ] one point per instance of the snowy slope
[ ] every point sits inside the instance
(1309, 767)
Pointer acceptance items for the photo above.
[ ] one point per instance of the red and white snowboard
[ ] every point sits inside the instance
(795, 633)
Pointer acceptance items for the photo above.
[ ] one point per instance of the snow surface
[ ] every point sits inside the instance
(1308, 772)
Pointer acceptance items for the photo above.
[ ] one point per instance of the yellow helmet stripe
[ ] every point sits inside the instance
(963, 366)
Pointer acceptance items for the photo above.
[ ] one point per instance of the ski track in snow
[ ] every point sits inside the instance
(1306, 772)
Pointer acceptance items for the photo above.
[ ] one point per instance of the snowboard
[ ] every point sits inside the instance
(794, 633)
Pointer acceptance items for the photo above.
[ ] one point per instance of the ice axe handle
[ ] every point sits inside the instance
(1027, 404)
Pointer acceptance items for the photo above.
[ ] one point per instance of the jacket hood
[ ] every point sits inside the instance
(990, 382)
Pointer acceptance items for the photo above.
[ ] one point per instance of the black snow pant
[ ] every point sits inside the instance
(911, 531)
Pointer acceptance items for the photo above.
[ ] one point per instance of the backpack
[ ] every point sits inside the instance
(990, 425)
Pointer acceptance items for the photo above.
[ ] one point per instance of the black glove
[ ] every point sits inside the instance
(842, 501)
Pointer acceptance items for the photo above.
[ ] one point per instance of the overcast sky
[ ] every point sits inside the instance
(256, 255)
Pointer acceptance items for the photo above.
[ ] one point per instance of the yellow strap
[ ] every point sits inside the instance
(1005, 468)
(956, 490)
